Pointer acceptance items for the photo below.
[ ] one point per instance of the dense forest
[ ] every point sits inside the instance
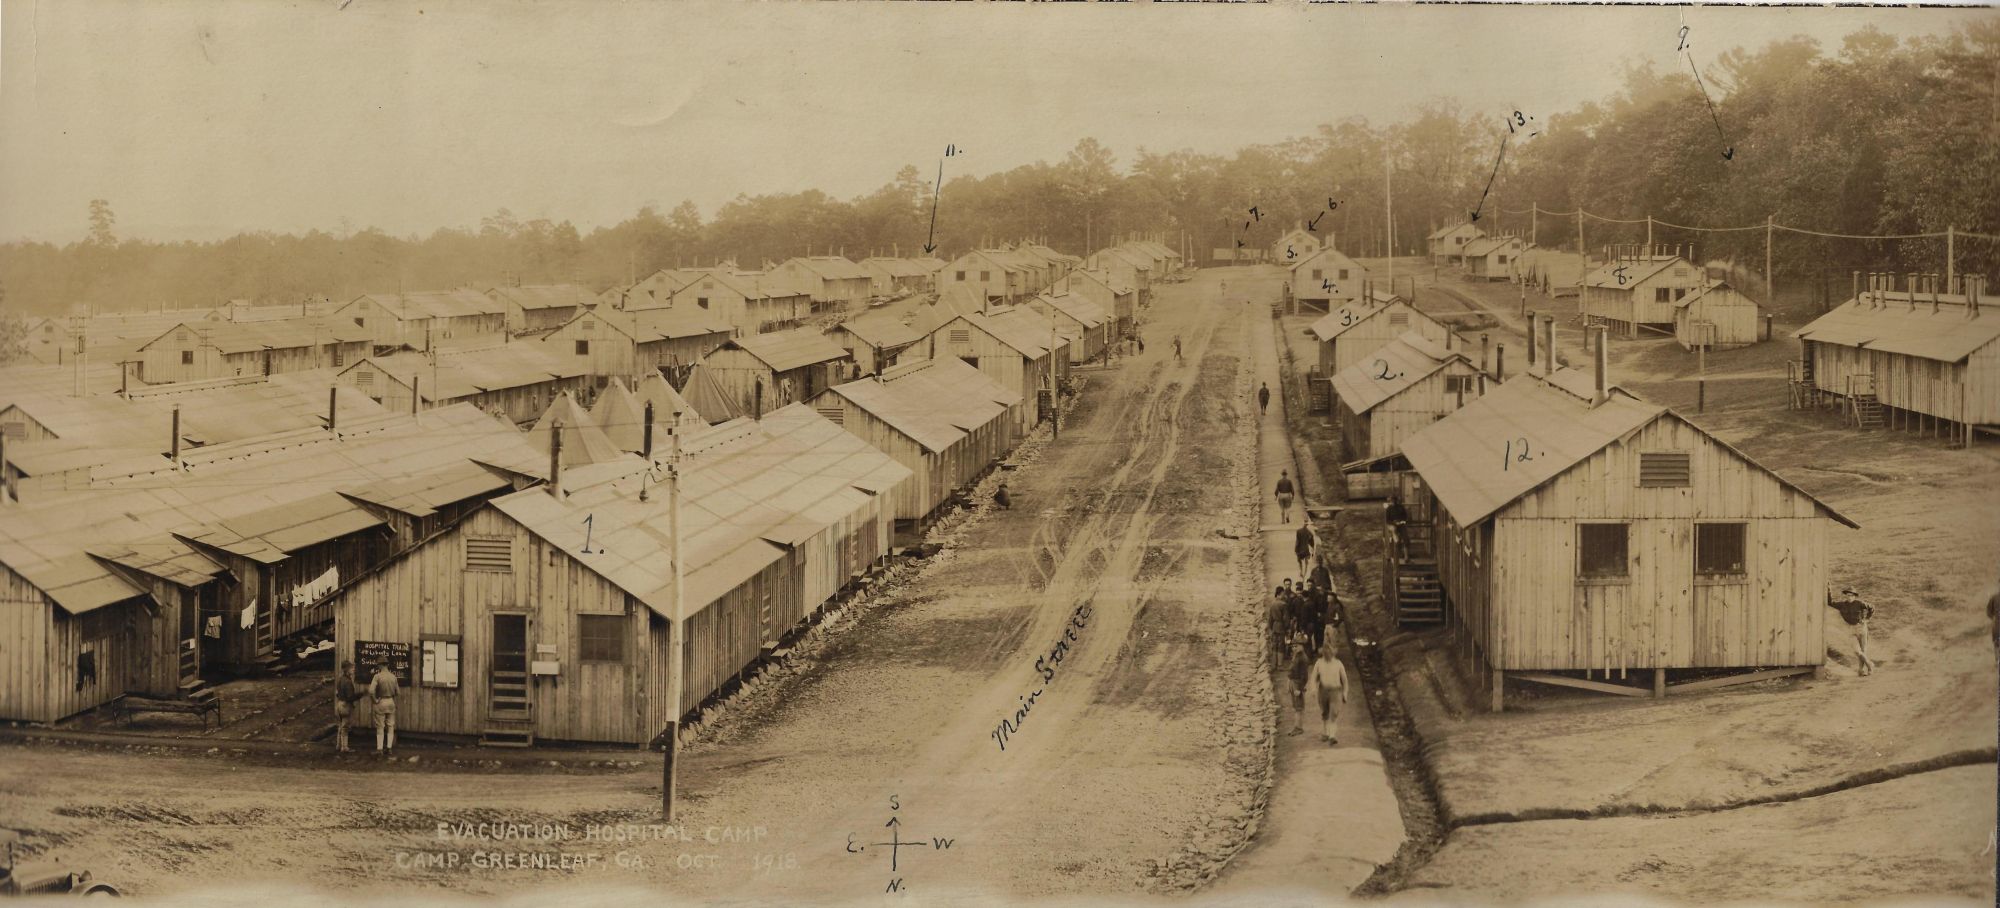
(1875, 137)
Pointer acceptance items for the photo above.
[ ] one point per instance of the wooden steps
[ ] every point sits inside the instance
(508, 731)
(1867, 412)
(1419, 595)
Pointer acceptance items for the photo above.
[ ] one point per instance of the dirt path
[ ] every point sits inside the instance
(1135, 760)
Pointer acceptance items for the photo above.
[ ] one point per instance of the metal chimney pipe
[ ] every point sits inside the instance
(1534, 338)
(1603, 367)
(1483, 351)
(416, 393)
(555, 458)
(646, 442)
(174, 438)
(1549, 345)
(333, 409)
(1499, 362)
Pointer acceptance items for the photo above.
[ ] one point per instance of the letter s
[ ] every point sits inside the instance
(1048, 674)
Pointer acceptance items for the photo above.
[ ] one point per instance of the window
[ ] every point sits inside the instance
(1718, 549)
(960, 277)
(1500, 259)
(438, 661)
(972, 361)
(583, 348)
(339, 358)
(360, 322)
(1663, 469)
(489, 553)
(1399, 319)
(589, 325)
(1600, 551)
(985, 275)
(835, 415)
(961, 335)
(600, 638)
(1319, 273)
(1662, 295)
(1680, 293)
(364, 378)
(1454, 384)
(1343, 275)
(187, 357)
(701, 301)
(180, 337)
(15, 430)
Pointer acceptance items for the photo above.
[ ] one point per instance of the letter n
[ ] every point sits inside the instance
(895, 885)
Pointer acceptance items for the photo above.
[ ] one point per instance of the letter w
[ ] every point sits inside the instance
(941, 844)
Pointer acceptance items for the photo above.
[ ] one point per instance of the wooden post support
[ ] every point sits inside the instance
(1659, 683)
(1499, 679)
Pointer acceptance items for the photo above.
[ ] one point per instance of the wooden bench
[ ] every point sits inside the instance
(204, 705)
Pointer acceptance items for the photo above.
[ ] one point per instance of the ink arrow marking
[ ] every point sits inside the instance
(1490, 177)
(1729, 151)
(893, 822)
(930, 242)
(1312, 225)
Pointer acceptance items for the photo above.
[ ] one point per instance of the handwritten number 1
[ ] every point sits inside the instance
(587, 530)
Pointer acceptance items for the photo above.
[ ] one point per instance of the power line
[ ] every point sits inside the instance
(1774, 226)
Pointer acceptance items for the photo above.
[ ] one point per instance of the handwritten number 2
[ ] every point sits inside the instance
(1382, 371)
(1684, 39)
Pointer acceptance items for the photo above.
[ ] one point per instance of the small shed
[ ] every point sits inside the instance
(1011, 354)
(989, 274)
(944, 420)
(1407, 384)
(1354, 331)
(831, 281)
(422, 320)
(1582, 533)
(1112, 296)
(1717, 316)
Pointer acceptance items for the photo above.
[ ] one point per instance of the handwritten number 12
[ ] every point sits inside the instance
(1510, 456)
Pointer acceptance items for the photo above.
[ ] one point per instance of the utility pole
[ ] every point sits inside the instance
(1055, 394)
(1649, 237)
(1389, 213)
(1950, 260)
(1534, 222)
(675, 685)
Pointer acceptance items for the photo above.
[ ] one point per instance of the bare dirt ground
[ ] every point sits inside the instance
(1133, 770)
(1655, 772)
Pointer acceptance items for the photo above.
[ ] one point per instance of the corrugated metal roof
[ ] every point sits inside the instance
(1117, 287)
(881, 331)
(1076, 307)
(1489, 244)
(934, 402)
(1407, 360)
(262, 498)
(783, 351)
(789, 476)
(546, 296)
(1636, 270)
(832, 267)
(461, 302)
(1468, 459)
(1345, 317)
(279, 334)
(1949, 335)
(678, 322)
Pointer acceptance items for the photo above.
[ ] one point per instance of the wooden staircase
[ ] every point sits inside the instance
(510, 721)
(1419, 596)
(1862, 407)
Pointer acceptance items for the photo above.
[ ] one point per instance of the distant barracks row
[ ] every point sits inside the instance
(155, 540)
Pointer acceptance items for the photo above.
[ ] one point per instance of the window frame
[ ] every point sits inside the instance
(584, 640)
(1741, 575)
(424, 651)
(582, 347)
(187, 357)
(1585, 577)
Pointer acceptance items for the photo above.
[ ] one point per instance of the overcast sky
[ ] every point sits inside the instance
(200, 119)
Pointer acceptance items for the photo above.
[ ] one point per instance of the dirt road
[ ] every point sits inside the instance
(1103, 620)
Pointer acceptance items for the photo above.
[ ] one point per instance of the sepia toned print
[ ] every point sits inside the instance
(999, 453)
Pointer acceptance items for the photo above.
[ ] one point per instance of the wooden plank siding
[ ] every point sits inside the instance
(1411, 410)
(1362, 339)
(42, 645)
(1966, 392)
(1543, 616)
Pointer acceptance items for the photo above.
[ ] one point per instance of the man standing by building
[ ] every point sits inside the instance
(345, 693)
(382, 691)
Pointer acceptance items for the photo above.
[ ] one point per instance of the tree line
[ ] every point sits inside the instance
(1877, 136)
